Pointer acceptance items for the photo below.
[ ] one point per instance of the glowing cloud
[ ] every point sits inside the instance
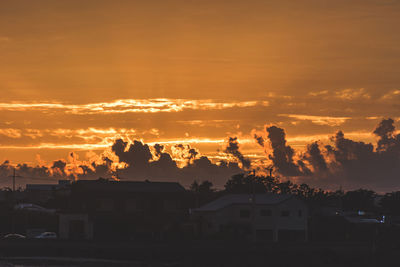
(320, 120)
(133, 106)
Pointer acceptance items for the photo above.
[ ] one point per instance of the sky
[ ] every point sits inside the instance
(75, 76)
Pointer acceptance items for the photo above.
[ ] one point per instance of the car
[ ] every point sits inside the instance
(14, 236)
(47, 235)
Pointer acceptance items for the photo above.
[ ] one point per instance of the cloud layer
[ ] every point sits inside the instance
(341, 162)
(344, 162)
(131, 106)
(134, 161)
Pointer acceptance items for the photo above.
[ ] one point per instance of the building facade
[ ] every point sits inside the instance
(263, 217)
(124, 210)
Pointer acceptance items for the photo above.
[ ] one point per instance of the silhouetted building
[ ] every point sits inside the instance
(41, 193)
(124, 210)
(276, 217)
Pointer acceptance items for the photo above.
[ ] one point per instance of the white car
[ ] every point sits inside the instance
(47, 235)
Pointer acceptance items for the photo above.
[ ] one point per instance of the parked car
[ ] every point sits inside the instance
(14, 236)
(47, 235)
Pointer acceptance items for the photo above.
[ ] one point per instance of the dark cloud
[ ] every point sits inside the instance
(136, 154)
(351, 164)
(260, 140)
(388, 140)
(139, 162)
(233, 149)
(282, 154)
(186, 152)
(315, 157)
(158, 149)
(59, 166)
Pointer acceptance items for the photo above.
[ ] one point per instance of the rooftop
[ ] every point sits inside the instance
(261, 199)
(128, 186)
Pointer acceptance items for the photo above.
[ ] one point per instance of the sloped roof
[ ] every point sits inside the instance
(41, 187)
(128, 186)
(261, 199)
(358, 219)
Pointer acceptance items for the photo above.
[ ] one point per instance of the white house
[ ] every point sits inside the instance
(269, 217)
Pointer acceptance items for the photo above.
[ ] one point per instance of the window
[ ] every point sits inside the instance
(285, 213)
(300, 213)
(244, 214)
(105, 204)
(265, 213)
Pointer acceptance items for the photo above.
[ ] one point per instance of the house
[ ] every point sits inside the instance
(41, 193)
(264, 217)
(124, 210)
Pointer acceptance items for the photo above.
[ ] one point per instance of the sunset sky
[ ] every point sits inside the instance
(77, 75)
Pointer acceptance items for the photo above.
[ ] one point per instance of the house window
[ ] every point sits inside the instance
(244, 214)
(300, 213)
(105, 204)
(285, 213)
(265, 213)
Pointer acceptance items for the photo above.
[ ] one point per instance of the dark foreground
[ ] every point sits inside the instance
(194, 253)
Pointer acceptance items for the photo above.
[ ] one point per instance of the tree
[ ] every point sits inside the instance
(204, 188)
(202, 192)
(360, 199)
(243, 184)
(391, 203)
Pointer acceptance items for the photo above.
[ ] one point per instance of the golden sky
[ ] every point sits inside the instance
(74, 75)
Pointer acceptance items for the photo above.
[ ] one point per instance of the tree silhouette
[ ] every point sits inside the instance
(391, 203)
(360, 199)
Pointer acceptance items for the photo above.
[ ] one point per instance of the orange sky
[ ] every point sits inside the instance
(76, 74)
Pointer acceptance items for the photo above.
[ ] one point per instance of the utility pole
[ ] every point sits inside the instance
(12, 204)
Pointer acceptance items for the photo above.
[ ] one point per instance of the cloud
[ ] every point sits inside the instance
(132, 106)
(319, 93)
(315, 157)
(352, 164)
(391, 95)
(232, 148)
(352, 94)
(134, 160)
(259, 139)
(142, 164)
(319, 120)
(282, 154)
(12, 133)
